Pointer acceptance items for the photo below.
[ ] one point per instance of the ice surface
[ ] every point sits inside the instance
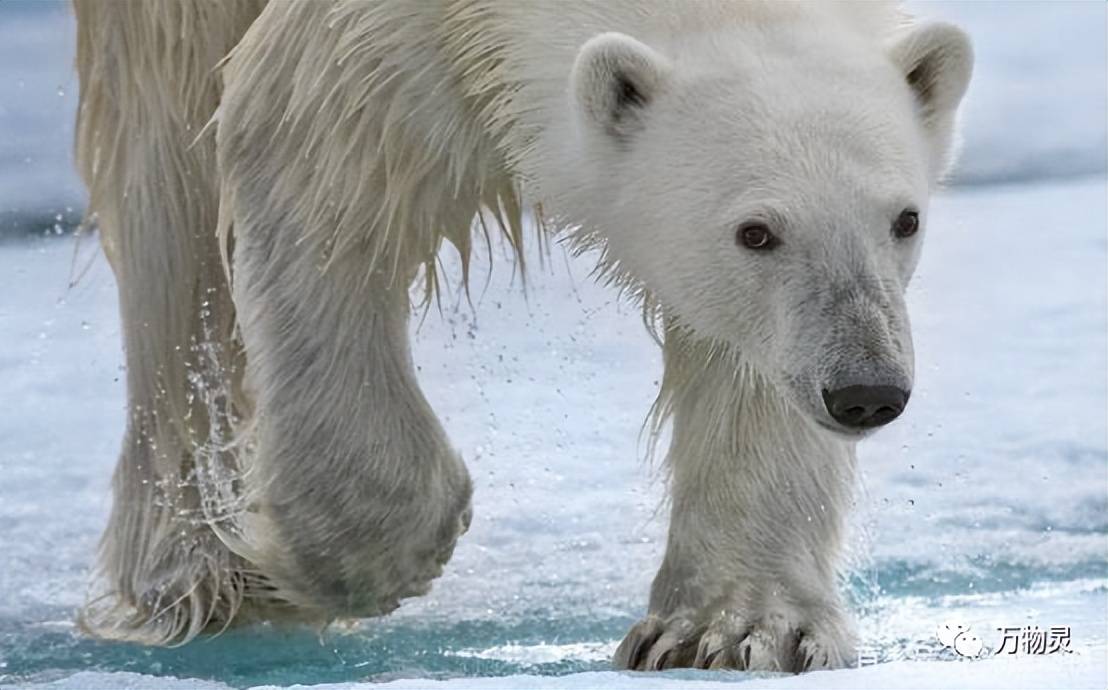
(986, 503)
(1053, 672)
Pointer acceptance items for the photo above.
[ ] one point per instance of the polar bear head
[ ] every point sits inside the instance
(771, 194)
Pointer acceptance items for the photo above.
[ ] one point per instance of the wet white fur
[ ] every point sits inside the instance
(354, 136)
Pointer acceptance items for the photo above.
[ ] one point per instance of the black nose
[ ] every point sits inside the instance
(864, 407)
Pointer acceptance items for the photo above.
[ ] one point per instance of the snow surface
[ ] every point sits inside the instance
(986, 503)
(1053, 672)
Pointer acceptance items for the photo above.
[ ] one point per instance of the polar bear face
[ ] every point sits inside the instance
(773, 196)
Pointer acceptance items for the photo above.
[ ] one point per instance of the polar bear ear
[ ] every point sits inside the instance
(614, 80)
(936, 59)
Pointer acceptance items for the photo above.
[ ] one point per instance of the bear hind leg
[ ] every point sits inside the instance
(163, 574)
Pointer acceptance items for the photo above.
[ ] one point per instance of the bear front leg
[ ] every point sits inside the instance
(355, 495)
(749, 577)
(343, 169)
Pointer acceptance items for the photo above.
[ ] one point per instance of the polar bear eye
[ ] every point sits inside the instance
(906, 224)
(757, 236)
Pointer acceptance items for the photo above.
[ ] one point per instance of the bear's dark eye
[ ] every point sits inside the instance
(757, 236)
(906, 224)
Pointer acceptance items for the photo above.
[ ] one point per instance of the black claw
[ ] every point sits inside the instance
(795, 655)
(709, 658)
(636, 657)
(660, 664)
(746, 658)
(634, 654)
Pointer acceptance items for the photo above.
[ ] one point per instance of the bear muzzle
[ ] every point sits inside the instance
(860, 407)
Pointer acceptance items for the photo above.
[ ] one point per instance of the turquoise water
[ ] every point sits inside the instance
(263, 655)
(439, 649)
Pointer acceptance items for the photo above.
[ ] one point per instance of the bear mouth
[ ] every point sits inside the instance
(844, 432)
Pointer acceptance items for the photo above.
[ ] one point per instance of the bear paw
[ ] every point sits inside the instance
(353, 549)
(728, 641)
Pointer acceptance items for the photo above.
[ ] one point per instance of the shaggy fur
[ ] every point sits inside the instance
(352, 138)
(147, 89)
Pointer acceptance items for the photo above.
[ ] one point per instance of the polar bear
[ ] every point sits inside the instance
(270, 180)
